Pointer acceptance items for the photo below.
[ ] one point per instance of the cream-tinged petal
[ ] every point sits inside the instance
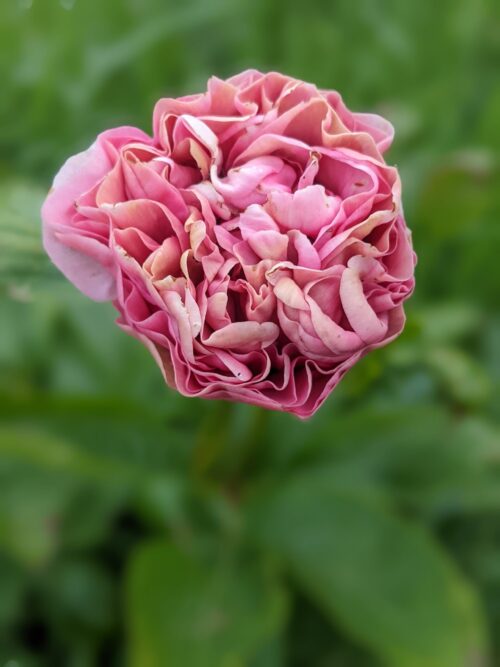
(360, 314)
(165, 260)
(338, 340)
(287, 291)
(180, 315)
(244, 335)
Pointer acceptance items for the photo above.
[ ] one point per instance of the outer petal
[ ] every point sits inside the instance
(84, 261)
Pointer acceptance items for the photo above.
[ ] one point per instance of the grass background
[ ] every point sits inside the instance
(139, 526)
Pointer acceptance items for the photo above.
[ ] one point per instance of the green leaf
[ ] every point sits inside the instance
(96, 485)
(49, 453)
(23, 261)
(448, 322)
(185, 612)
(270, 655)
(460, 375)
(101, 438)
(78, 596)
(385, 582)
(104, 61)
(454, 197)
(31, 504)
(12, 585)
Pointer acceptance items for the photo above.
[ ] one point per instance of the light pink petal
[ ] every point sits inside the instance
(310, 171)
(269, 244)
(84, 261)
(241, 181)
(256, 219)
(307, 210)
(337, 339)
(380, 129)
(307, 255)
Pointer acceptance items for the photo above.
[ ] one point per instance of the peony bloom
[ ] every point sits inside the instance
(255, 243)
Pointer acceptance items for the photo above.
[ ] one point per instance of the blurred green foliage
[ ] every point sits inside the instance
(138, 527)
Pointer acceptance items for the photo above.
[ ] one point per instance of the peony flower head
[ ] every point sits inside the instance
(255, 243)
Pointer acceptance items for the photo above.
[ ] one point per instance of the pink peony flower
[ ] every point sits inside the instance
(256, 243)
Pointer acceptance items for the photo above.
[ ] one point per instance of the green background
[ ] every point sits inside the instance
(138, 527)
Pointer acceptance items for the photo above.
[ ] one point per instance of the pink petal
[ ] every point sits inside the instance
(269, 244)
(287, 291)
(360, 314)
(244, 335)
(307, 210)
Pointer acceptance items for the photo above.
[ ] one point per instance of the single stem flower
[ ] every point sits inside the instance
(255, 243)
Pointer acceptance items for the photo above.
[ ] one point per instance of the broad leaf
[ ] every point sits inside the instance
(183, 612)
(383, 581)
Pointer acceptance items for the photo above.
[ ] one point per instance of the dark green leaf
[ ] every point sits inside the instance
(376, 576)
(185, 612)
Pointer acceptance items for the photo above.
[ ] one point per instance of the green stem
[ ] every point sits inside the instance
(212, 438)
